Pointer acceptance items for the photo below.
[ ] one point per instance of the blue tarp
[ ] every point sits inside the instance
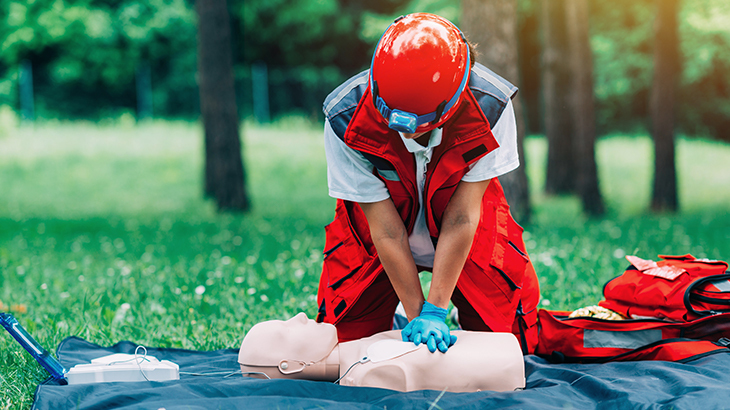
(700, 384)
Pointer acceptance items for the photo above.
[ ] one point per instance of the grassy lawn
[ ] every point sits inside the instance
(104, 233)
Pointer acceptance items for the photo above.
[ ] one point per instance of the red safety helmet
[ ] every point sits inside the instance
(419, 70)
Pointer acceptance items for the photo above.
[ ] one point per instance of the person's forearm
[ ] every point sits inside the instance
(395, 255)
(453, 248)
(391, 241)
(459, 225)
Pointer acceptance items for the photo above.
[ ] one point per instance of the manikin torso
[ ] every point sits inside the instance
(300, 348)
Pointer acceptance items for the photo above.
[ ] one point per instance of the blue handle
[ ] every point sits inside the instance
(49, 362)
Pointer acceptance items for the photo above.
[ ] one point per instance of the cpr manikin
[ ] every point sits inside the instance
(300, 348)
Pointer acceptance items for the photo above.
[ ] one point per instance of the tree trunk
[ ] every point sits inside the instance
(528, 35)
(556, 83)
(224, 174)
(583, 107)
(662, 106)
(25, 88)
(143, 81)
(492, 26)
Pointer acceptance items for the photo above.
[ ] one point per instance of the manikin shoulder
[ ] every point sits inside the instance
(478, 361)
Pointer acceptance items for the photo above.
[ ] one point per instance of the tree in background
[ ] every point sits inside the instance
(556, 85)
(492, 26)
(530, 48)
(703, 102)
(224, 176)
(663, 104)
(85, 55)
(582, 107)
(308, 47)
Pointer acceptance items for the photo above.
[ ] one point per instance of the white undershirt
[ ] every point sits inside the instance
(350, 176)
(420, 240)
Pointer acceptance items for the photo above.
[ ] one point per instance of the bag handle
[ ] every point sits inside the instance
(689, 296)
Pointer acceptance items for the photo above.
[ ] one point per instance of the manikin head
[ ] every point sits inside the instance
(298, 348)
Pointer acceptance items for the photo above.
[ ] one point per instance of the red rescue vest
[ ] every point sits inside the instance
(494, 278)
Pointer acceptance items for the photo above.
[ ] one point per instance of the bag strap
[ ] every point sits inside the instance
(688, 296)
(680, 350)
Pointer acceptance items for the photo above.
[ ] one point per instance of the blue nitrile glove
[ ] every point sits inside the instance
(430, 328)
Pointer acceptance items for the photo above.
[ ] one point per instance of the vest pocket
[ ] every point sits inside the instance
(510, 262)
(343, 254)
(497, 251)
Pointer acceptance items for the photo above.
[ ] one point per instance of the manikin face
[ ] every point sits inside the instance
(288, 335)
(294, 348)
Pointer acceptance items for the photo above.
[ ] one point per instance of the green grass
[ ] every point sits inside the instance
(574, 255)
(104, 233)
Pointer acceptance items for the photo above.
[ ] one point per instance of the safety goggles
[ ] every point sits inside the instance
(407, 122)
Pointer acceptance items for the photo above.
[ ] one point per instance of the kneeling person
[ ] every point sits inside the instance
(414, 148)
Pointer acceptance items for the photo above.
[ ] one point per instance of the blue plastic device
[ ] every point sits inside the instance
(49, 362)
(403, 121)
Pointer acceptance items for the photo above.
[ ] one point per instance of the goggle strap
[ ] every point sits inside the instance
(439, 111)
(374, 90)
(381, 106)
(464, 79)
(426, 118)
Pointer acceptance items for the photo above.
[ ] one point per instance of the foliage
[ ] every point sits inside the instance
(622, 41)
(622, 45)
(103, 234)
(86, 54)
(332, 40)
(322, 29)
(705, 31)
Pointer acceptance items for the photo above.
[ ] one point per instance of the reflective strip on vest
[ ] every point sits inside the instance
(502, 87)
(632, 339)
(355, 82)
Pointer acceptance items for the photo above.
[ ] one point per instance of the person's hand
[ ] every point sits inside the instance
(430, 328)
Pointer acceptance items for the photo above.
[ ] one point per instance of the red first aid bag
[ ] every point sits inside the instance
(593, 340)
(677, 288)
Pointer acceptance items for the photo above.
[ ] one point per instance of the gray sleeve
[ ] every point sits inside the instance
(503, 159)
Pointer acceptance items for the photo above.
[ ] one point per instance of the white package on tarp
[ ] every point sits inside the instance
(123, 368)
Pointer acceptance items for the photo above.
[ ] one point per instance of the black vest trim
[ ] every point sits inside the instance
(473, 153)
